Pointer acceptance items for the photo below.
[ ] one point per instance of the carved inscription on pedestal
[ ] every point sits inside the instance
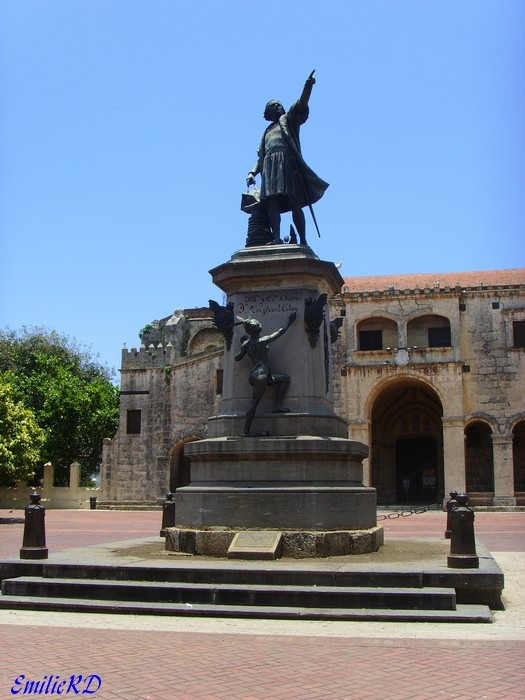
(261, 304)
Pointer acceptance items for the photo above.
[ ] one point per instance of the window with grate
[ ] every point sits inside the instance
(370, 340)
(133, 422)
(439, 337)
(518, 330)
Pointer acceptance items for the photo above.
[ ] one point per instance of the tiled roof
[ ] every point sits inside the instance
(199, 312)
(487, 278)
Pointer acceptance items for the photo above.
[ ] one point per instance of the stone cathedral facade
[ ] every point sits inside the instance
(428, 370)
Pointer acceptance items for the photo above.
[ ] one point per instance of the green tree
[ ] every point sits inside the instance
(21, 439)
(71, 395)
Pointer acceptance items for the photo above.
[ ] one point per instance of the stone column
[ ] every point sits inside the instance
(402, 334)
(107, 483)
(74, 475)
(454, 453)
(48, 481)
(360, 430)
(503, 470)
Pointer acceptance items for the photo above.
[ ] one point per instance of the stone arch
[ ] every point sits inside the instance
(429, 330)
(481, 417)
(179, 463)
(383, 313)
(376, 332)
(399, 378)
(407, 442)
(512, 421)
(479, 461)
(205, 340)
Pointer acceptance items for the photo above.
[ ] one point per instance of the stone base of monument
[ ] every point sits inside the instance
(297, 544)
(307, 486)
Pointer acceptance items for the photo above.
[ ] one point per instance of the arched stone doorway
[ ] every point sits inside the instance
(180, 464)
(407, 444)
(479, 463)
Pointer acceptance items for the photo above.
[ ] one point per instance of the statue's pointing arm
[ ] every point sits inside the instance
(307, 91)
(278, 333)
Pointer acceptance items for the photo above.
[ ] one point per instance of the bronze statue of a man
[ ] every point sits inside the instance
(287, 183)
(261, 376)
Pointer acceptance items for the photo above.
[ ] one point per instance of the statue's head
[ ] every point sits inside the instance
(273, 110)
(252, 326)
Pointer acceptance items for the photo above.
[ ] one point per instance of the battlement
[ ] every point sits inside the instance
(159, 356)
(155, 355)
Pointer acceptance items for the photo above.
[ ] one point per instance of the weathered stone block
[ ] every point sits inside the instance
(299, 544)
(214, 543)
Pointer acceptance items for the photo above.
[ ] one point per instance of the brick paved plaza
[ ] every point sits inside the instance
(141, 658)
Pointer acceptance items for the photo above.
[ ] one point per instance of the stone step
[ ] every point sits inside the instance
(234, 594)
(129, 505)
(253, 573)
(462, 613)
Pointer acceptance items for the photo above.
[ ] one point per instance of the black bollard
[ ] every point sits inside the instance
(462, 540)
(451, 504)
(34, 543)
(168, 514)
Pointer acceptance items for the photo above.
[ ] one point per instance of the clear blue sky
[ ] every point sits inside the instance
(127, 129)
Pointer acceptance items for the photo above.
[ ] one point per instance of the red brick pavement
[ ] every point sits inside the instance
(81, 528)
(139, 665)
(500, 532)
(149, 665)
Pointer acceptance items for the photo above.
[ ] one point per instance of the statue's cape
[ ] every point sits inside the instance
(312, 186)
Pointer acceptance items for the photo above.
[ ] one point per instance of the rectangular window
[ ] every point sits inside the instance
(133, 421)
(218, 381)
(518, 329)
(370, 340)
(439, 337)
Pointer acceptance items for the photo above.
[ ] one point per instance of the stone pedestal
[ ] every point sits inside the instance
(301, 472)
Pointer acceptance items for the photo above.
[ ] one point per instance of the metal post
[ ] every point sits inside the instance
(451, 504)
(462, 540)
(34, 542)
(168, 514)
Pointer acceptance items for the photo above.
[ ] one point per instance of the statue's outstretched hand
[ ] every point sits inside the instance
(310, 81)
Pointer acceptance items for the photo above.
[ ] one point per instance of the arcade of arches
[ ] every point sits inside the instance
(407, 457)
(479, 462)
(407, 463)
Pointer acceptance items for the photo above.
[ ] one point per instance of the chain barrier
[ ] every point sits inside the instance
(415, 511)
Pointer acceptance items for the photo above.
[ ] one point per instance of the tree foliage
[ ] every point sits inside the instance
(71, 395)
(21, 439)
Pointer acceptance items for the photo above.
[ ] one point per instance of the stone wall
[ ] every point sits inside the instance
(72, 496)
(171, 388)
